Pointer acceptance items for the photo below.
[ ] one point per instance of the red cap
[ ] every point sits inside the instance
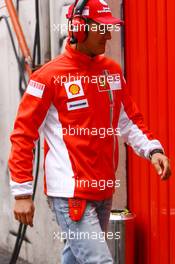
(99, 11)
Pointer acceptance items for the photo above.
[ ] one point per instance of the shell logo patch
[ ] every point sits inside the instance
(74, 89)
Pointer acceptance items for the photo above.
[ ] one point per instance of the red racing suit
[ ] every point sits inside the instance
(81, 105)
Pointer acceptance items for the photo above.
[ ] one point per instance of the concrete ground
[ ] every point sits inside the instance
(5, 257)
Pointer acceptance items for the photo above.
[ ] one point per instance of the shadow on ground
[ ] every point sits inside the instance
(5, 257)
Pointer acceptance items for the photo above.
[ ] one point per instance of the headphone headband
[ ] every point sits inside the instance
(76, 20)
(79, 7)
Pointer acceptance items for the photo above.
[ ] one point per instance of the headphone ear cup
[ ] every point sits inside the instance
(78, 29)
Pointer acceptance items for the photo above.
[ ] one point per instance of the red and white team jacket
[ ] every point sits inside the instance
(81, 105)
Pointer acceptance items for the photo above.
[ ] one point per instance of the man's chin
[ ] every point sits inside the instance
(101, 51)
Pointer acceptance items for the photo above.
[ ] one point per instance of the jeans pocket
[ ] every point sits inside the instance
(61, 204)
(90, 214)
(61, 209)
(50, 203)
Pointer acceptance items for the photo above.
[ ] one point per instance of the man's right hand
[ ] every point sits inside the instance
(24, 210)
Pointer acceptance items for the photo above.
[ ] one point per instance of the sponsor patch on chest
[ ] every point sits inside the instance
(109, 82)
(115, 82)
(74, 89)
(35, 88)
(77, 104)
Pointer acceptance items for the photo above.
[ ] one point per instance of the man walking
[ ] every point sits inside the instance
(72, 115)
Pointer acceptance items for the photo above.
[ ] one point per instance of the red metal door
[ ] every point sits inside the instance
(150, 68)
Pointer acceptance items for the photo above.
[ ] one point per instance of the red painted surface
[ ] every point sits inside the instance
(129, 238)
(150, 71)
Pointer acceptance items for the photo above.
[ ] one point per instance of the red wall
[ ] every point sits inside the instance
(150, 72)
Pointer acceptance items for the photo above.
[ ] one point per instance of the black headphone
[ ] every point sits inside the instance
(78, 22)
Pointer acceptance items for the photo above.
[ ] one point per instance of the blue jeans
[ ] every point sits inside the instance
(85, 240)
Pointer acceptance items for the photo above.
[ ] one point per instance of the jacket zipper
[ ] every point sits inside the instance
(111, 99)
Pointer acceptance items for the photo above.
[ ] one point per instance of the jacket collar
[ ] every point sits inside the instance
(81, 58)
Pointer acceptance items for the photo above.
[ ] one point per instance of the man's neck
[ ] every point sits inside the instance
(82, 49)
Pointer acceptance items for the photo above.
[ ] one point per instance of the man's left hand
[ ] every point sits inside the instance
(162, 165)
